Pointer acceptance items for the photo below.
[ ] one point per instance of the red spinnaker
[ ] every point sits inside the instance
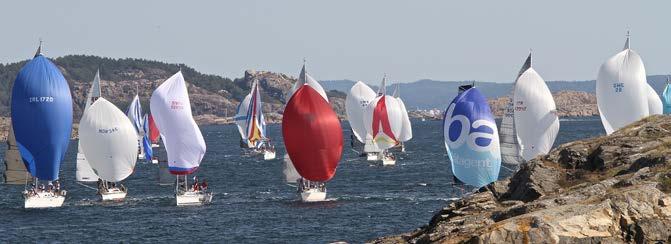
(153, 130)
(380, 116)
(312, 135)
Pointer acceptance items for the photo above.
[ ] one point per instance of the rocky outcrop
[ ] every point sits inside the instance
(609, 189)
(569, 104)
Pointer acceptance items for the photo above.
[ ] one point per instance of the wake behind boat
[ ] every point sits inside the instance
(42, 120)
(182, 139)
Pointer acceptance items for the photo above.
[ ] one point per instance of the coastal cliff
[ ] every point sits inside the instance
(608, 189)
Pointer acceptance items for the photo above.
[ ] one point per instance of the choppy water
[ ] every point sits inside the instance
(252, 204)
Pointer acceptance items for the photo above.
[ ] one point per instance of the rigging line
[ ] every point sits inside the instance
(82, 184)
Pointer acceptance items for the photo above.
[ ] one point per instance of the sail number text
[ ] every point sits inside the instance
(618, 87)
(40, 99)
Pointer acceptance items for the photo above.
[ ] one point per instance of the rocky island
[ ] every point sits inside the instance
(608, 189)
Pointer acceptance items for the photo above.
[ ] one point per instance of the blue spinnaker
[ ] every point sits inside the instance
(472, 139)
(666, 99)
(146, 143)
(42, 117)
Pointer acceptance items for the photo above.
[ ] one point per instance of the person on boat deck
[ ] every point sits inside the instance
(57, 186)
(203, 186)
(196, 185)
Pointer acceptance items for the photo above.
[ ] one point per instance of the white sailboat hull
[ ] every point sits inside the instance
(43, 200)
(193, 198)
(372, 156)
(268, 155)
(140, 156)
(387, 161)
(113, 194)
(313, 195)
(154, 161)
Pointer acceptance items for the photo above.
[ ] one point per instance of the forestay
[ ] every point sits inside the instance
(183, 141)
(471, 139)
(536, 120)
(108, 140)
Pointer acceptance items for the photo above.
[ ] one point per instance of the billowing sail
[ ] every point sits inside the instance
(146, 142)
(240, 117)
(356, 103)
(42, 117)
(666, 96)
(153, 130)
(84, 171)
(406, 129)
(654, 102)
(383, 119)
(621, 92)
(536, 120)
(255, 130)
(472, 139)
(290, 173)
(15, 172)
(311, 130)
(181, 136)
(134, 113)
(108, 140)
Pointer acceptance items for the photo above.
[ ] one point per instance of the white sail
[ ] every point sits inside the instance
(510, 150)
(383, 119)
(84, 171)
(621, 92)
(241, 116)
(305, 78)
(108, 139)
(15, 171)
(181, 136)
(536, 121)
(654, 102)
(290, 173)
(360, 95)
(406, 131)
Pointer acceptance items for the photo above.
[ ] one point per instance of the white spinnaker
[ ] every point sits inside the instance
(84, 171)
(241, 116)
(406, 131)
(654, 102)
(536, 120)
(621, 91)
(360, 95)
(108, 139)
(171, 109)
(290, 173)
(393, 118)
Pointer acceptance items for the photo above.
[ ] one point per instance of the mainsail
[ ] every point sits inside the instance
(536, 120)
(182, 138)
(84, 171)
(42, 117)
(510, 146)
(108, 141)
(311, 130)
(134, 113)
(290, 173)
(383, 118)
(15, 172)
(471, 139)
(666, 96)
(240, 117)
(621, 92)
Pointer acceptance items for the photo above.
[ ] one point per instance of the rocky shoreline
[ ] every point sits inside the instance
(608, 189)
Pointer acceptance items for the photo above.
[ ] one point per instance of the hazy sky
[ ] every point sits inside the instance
(358, 40)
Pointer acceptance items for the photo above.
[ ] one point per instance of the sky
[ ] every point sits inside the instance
(348, 39)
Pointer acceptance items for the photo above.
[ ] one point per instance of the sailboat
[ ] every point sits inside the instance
(622, 93)
(252, 124)
(153, 135)
(384, 119)
(535, 113)
(108, 140)
(42, 120)
(313, 137)
(471, 139)
(134, 113)
(356, 104)
(406, 131)
(666, 96)
(15, 172)
(181, 136)
(84, 171)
